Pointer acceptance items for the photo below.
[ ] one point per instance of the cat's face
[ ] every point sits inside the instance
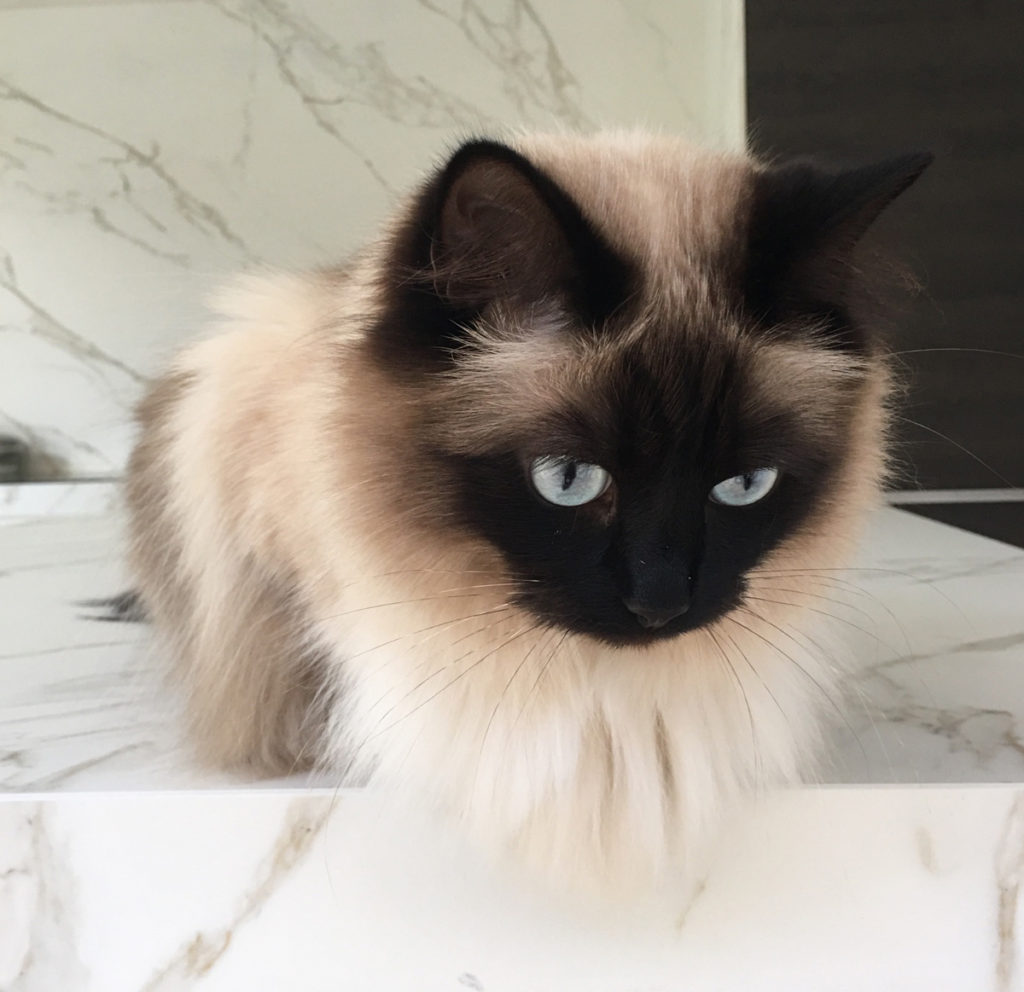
(633, 508)
(638, 384)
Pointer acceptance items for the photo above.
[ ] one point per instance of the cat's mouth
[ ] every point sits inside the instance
(617, 624)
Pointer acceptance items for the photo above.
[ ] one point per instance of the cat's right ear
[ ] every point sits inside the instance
(495, 233)
(806, 222)
(501, 230)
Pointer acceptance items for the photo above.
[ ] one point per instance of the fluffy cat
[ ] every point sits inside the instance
(522, 511)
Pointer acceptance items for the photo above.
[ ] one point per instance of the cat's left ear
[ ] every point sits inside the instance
(806, 222)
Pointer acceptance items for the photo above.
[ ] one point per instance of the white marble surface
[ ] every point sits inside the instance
(58, 499)
(841, 890)
(149, 149)
(935, 616)
(82, 702)
(124, 868)
(939, 693)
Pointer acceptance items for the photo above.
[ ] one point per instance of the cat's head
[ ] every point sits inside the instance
(640, 372)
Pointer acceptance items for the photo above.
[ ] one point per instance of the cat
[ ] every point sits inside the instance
(521, 511)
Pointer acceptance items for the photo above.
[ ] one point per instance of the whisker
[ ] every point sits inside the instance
(850, 588)
(325, 690)
(864, 699)
(824, 613)
(506, 608)
(446, 571)
(785, 633)
(775, 647)
(815, 644)
(757, 675)
(540, 675)
(363, 744)
(746, 702)
(845, 585)
(458, 640)
(422, 664)
(838, 584)
(458, 594)
(975, 351)
(828, 599)
(497, 706)
(956, 444)
(448, 685)
(826, 573)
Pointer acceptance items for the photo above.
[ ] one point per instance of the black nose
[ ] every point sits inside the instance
(652, 618)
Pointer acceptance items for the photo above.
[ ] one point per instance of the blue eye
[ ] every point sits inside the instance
(742, 490)
(566, 482)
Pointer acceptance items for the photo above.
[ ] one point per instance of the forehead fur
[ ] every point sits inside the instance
(680, 214)
(674, 208)
(529, 371)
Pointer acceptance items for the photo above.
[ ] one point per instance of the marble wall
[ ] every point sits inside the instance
(149, 148)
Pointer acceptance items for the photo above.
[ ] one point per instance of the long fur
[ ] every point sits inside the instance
(323, 606)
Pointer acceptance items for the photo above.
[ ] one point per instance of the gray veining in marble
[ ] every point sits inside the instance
(149, 150)
(933, 615)
(302, 824)
(224, 891)
(1009, 874)
(37, 891)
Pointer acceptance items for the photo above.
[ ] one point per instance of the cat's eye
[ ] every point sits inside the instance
(742, 490)
(566, 482)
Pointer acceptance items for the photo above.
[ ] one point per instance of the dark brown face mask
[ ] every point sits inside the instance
(670, 416)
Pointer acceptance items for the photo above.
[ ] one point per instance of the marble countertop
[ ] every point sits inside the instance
(935, 615)
(869, 886)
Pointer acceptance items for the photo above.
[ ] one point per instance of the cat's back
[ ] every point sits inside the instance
(228, 432)
(267, 327)
(222, 492)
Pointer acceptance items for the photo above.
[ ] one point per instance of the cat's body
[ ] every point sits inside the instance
(335, 528)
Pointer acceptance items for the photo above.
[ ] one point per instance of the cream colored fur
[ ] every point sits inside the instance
(270, 462)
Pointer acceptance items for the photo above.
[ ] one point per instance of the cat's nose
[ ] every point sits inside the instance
(651, 617)
(660, 586)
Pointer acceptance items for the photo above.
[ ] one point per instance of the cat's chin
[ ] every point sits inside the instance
(627, 633)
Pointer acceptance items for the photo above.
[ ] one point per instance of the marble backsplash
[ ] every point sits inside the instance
(148, 149)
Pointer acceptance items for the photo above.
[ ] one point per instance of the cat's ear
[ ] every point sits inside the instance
(495, 234)
(806, 222)
(503, 230)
